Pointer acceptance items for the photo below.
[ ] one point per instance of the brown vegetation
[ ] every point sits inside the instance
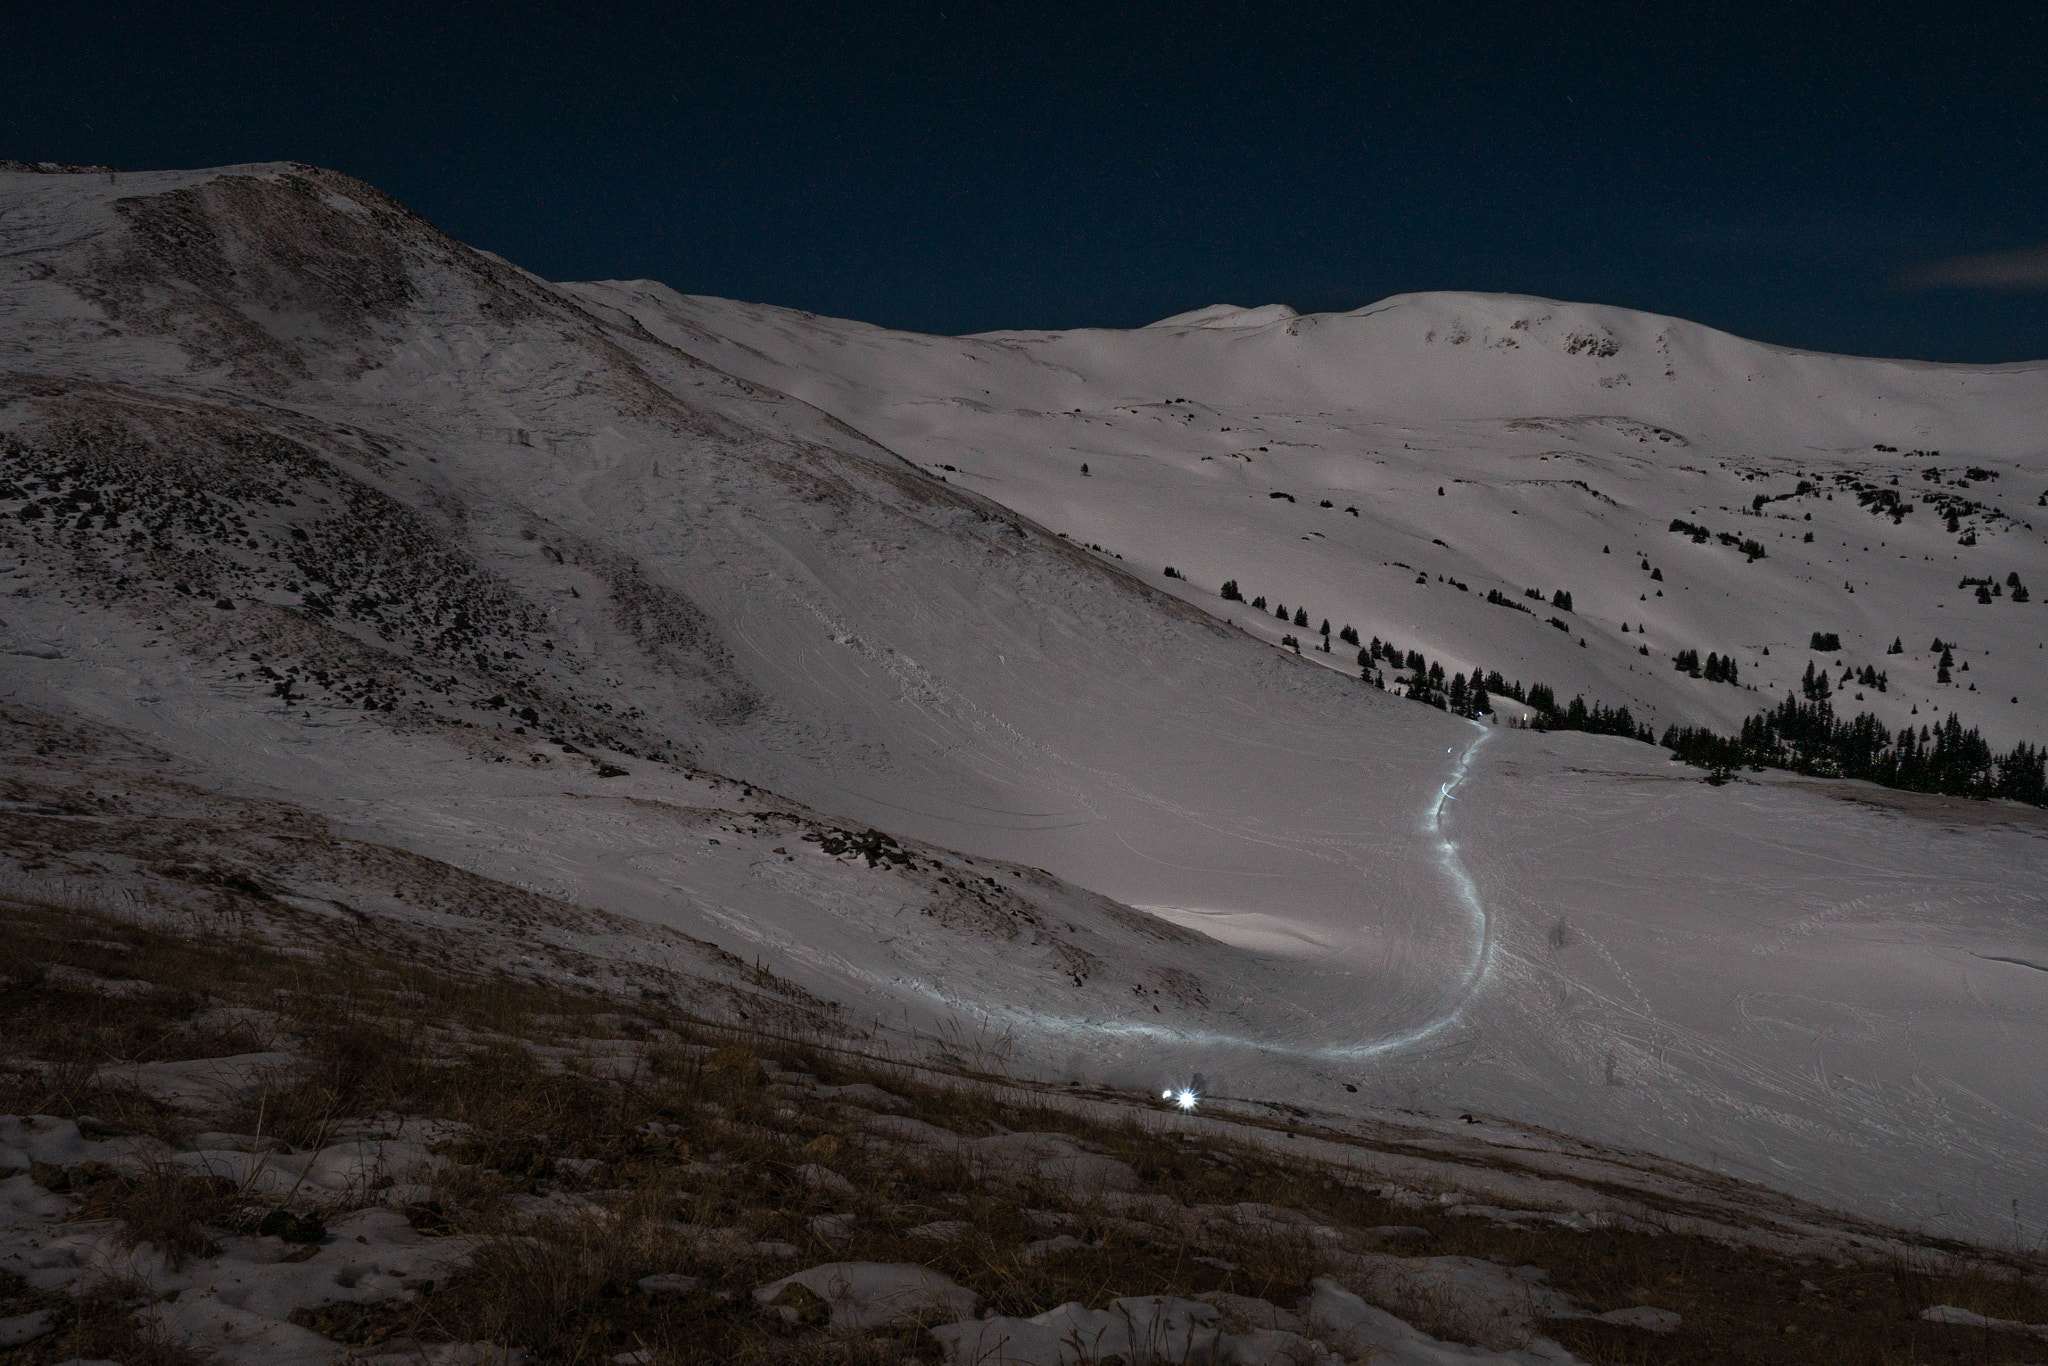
(588, 1147)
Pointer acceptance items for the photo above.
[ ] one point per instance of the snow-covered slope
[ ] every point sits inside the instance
(617, 596)
(1565, 440)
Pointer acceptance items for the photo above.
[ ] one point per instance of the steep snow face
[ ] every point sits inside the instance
(318, 505)
(1417, 468)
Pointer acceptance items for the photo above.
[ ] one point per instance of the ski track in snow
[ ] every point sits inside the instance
(1464, 895)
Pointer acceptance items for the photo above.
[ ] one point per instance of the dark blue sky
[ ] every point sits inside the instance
(1764, 168)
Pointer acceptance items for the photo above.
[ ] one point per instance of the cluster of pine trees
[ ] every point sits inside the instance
(1804, 737)
(1717, 669)
(1469, 695)
(1299, 617)
(1807, 737)
(1747, 545)
(1815, 687)
(1427, 681)
(1989, 588)
(1597, 719)
(1472, 695)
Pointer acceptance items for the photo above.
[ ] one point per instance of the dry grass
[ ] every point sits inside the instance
(156, 1203)
(661, 1124)
(112, 1323)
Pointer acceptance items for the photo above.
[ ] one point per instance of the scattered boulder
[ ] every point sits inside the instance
(1649, 1320)
(824, 1179)
(863, 1296)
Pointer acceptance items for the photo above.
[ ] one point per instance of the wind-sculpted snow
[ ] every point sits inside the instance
(761, 629)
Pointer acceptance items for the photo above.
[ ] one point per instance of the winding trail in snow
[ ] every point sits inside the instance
(1472, 979)
(1466, 894)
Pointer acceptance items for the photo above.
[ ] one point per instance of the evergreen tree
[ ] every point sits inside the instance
(1808, 738)
(1301, 616)
(1596, 719)
(1230, 593)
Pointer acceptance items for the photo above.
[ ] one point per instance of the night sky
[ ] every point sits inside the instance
(1802, 175)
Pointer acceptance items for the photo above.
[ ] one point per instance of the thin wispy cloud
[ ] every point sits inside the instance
(2019, 271)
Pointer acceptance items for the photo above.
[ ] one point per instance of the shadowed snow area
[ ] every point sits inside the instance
(659, 605)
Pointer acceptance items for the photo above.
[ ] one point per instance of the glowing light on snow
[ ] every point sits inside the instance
(1478, 968)
(1185, 1098)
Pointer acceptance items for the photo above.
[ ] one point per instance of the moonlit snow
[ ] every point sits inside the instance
(852, 570)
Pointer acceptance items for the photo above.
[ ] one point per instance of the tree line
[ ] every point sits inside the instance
(1800, 736)
(1807, 737)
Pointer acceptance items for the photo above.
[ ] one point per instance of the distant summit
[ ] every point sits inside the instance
(1229, 315)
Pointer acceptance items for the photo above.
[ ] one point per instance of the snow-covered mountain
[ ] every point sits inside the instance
(1436, 449)
(659, 606)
